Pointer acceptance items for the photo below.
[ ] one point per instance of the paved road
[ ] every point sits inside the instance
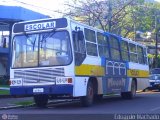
(144, 103)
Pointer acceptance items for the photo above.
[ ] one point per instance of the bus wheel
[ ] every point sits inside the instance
(132, 93)
(88, 99)
(41, 100)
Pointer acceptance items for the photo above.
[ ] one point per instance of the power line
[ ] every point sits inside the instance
(24, 3)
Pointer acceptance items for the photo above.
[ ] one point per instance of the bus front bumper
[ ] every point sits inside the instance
(33, 90)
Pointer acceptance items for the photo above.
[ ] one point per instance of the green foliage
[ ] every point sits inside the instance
(24, 103)
(126, 17)
(150, 56)
(153, 57)
(131, 35)
(4, 92)
(122, 17)
(158, 62)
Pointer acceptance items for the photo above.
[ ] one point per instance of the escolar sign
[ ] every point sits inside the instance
(40, 26)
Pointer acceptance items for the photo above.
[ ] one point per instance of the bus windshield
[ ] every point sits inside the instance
(42, 49)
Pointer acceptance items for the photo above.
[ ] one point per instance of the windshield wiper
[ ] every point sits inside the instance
(28, 37)
(47, 36)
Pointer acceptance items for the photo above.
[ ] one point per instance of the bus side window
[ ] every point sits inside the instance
(145, 56)
(79, 47)
(124, 50)
(103, 47)
(91, 44)
(114, 47)
(140, 55)
(133, 53)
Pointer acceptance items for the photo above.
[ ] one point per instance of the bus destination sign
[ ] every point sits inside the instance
(38, 25)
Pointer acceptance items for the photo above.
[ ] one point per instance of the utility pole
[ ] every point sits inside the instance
(156, 56)
(156, 46)
(134, 29)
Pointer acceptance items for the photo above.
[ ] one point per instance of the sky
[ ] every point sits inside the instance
(47, 7)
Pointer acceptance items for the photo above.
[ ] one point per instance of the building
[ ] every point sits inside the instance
(8, 16)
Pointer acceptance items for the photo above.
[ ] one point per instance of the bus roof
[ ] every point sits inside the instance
(133, 42)
(51, 23)
(126, 39)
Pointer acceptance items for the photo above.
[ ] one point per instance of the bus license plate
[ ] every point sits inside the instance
(38, 90)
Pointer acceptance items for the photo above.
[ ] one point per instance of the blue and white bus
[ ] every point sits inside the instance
(54, 58)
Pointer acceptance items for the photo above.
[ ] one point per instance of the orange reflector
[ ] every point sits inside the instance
(9, 82)
(69, 80)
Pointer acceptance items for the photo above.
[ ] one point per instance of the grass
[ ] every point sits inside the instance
(7, 86)
(25, 103)
(4, 92)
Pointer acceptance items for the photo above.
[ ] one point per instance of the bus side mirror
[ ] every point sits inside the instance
(74, 35)
(80, 35)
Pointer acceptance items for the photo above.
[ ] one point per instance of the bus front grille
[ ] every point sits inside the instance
(39, 76)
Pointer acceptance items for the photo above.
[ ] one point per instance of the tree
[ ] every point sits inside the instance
(123, 17)
(101, 13)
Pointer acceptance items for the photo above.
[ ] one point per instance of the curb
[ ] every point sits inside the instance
(12, 96)
(16, 106)
(11, 107)
(6, 96)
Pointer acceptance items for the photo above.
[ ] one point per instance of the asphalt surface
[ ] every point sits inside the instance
(147, 102)
(13, 101)
(143, 107)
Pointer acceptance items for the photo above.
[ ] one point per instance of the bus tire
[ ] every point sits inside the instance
(41, 100)
(88, 99)
(132, 93)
